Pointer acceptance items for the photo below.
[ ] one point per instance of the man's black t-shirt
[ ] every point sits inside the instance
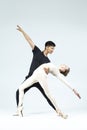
(38, 59)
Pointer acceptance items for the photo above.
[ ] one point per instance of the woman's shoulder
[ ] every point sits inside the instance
(50, 65)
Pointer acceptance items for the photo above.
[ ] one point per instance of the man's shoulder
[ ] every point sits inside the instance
(36, 48)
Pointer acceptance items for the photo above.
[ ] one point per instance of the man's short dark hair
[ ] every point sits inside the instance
(50, 43)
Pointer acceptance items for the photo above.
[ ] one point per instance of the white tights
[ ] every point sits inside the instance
(40, 77)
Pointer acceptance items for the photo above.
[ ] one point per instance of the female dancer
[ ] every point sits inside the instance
(40, 75)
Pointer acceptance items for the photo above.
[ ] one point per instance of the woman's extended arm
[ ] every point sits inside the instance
(68, 85)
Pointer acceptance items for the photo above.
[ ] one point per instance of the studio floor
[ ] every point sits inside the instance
(43, 121)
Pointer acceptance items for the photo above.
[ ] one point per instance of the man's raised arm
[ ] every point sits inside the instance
(31, 43)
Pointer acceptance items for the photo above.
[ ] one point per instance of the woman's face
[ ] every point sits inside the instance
(63, 68)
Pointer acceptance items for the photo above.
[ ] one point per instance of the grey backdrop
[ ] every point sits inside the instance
(65, 23)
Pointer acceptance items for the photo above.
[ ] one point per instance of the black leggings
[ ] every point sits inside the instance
(37, 85)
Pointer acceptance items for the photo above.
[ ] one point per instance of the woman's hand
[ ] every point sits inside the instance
(76, 93)
(46, 70)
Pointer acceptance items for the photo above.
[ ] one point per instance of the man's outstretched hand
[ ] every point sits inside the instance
(19, 28)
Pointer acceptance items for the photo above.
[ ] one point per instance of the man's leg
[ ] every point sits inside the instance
(44, 85)
(17, 93)
(17, 97)
(38, 86)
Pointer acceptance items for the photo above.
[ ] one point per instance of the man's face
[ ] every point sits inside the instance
(50, 49)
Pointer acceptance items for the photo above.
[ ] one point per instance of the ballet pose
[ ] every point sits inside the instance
(39, 57)
(40, 75)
